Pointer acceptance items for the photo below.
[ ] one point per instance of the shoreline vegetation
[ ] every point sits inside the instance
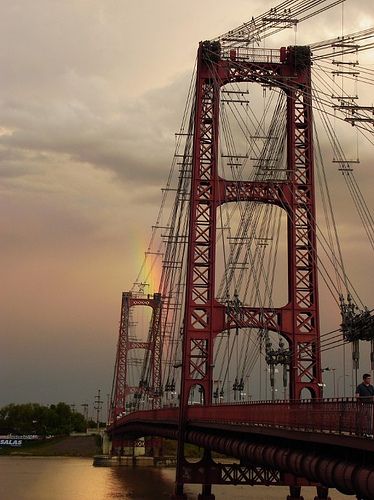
(64, 446)
(32, 425)
(32, 429)
(85, 446)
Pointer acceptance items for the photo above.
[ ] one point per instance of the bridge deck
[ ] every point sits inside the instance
(324, 441)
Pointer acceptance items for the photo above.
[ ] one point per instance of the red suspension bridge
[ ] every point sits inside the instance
(238, 292)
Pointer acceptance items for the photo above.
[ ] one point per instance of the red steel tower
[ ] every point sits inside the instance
(298, 320)
(121, 389)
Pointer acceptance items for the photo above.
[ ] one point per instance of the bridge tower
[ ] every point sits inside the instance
(205, 317)
(121, 390)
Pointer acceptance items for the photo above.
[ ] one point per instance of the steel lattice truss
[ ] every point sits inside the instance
(121, 389)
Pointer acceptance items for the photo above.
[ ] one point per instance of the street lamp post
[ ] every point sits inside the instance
(339, 379)
(217, 392)
(85, 411)
(97, 406)
(327, 369)
(247, 385)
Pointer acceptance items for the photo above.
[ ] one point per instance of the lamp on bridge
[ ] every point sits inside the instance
(221, 394)
(322, 385)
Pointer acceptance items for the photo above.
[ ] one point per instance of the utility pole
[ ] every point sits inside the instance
(97, 406)
(85, 410)
(107, 408)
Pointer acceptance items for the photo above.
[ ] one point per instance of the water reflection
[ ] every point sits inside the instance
(37, 478)
(140, 483)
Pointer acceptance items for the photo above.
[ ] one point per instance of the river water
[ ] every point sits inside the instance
(36, 478)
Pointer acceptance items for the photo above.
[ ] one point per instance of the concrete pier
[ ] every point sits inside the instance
(133, 461)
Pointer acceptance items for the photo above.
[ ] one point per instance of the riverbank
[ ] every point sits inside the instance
(85, 446)
(64, 446)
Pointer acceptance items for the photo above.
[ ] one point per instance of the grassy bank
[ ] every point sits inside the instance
(69, 446)
(86, 446)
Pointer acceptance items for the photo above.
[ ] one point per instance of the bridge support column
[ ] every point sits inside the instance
(154, 446)
(295, 493)
(206, 493)
(178, 495)
(106, 444)
(157, 447)
(322, 493)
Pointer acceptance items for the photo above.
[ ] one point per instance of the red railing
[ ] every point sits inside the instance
(251, 54)
(334, 416)
(345, 416)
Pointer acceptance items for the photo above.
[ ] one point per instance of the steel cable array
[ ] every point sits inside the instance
(250, 234)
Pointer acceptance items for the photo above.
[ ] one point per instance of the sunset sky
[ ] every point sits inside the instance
(91, 95)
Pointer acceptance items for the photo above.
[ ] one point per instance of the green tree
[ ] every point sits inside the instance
(32, 418)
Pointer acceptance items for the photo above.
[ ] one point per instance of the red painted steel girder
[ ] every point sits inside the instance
(330, 472)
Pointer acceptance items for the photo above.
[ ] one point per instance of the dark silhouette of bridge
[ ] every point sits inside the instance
(315, 442)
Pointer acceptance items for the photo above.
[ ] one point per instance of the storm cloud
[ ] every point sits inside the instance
(91, 96)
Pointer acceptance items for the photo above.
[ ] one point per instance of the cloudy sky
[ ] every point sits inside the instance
(91, 95)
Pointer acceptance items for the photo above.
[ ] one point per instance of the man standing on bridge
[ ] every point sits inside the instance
(365, 391)
(364, 395)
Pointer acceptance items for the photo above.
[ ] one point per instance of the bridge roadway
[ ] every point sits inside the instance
(324, 441)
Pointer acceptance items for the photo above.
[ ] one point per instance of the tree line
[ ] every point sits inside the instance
(33, 418)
